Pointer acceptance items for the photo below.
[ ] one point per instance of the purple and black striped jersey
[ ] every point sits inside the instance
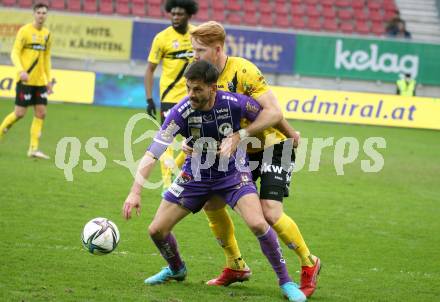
(206, 130)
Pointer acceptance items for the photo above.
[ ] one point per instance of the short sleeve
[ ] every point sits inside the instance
(156, 52)
(253, 82)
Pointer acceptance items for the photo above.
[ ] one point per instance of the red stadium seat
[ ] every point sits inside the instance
(362, 28)
(218, 5)
(311, 2)
(265, 7)
(327, 3)
(312, 11)
(389, 5)
(58, 4)
(298, 22)
(202, 15)
(377, 28)
(90, 6)
(218, 15)
(106, 7)
(358, 4)
(154, 10)
(203, 5)
(281, 9)
(330, 25)
(138, 9)
(372, 5)
(154, 2)
(343, 3)
(25, 3)
(345, 14)
(360, 15)
(9, 2)
(122, 7)
(234, 18)
(282, 21)
(266, 19)
(346, 27)
(375, 16)
(74, 5)
(328, 12)
(250, 19)
(298, 10)
(296, 2)
(314, 24)
(249, 7)
(233, 5)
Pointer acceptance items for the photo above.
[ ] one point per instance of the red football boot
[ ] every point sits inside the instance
(229, 276)
(309, 278)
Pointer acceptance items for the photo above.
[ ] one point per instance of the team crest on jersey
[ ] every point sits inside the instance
(208, 118)
(195, 133)
(175, 44)
(225, 129)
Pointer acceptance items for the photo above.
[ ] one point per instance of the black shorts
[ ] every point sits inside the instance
(27, 95)
(164, 109)
(275, 175)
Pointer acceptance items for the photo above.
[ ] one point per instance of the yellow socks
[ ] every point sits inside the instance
(180, 159)
(289, 233)
(7, 123)
(223, 229)
(37, 125)
(166, 162)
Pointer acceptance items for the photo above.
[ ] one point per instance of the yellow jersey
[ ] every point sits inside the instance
(31, 53)
(242, 76)
(176, 52)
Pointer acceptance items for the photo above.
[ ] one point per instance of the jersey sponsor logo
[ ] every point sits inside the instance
(222, 110)
(223, 116)
(208, 117)
(229, 98)
(35, 46)
(195, 120)
(175, 189)
(225, 129)
(265, 168)
(251, 108)
(195, 132)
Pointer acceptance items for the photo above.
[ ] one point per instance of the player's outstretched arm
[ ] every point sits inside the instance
(269, 116)
(133, 199)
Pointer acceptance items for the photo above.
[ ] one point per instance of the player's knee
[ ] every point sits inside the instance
(19, 114)
(258, 226)
(156, 231)
(271, 216)
(40, 115)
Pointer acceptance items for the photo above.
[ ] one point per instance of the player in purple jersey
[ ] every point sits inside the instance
(206, 116)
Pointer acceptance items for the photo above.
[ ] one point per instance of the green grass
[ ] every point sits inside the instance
(376, 233)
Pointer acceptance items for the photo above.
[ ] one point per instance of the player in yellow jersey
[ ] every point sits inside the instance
(172, 47)
(241, 76)
(31, 57)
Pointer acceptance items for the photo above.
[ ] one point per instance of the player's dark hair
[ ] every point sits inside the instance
(39, 5)
(190, 6)
(202, 71)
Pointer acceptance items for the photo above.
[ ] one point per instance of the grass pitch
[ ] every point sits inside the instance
(376, 233)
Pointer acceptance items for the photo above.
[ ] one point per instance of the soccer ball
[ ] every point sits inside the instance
(100, 236)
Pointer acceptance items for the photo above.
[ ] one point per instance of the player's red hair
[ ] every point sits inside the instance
(209, 33)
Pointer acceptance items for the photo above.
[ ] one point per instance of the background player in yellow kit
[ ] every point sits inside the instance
(172, 47)
(241, 76)
(31, 57)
